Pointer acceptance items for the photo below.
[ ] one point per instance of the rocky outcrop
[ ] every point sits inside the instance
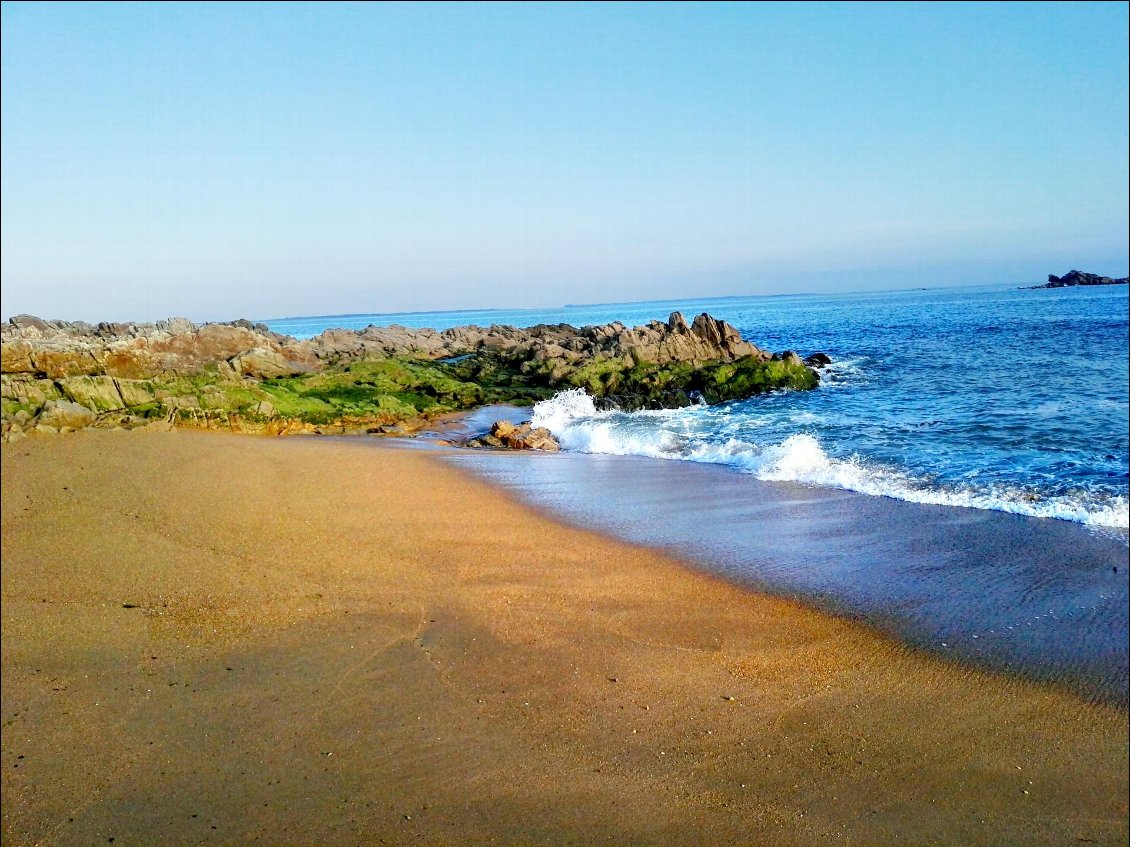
(240, 375)
(58, 349)
(1073, 278)
(554, 349)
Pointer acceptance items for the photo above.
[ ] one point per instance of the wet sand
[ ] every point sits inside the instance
(226, 640)
(1040, 598)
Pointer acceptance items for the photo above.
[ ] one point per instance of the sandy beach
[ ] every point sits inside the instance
(231, 639)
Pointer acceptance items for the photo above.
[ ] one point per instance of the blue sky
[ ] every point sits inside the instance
(218, 160)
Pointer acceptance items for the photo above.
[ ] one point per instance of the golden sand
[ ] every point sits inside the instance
(225, 640)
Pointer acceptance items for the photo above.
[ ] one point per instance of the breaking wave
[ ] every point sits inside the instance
(573, 418)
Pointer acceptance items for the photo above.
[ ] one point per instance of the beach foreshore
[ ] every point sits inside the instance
(217, 639)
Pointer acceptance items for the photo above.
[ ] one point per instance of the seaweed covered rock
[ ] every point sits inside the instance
(648, 386)
(243, 377)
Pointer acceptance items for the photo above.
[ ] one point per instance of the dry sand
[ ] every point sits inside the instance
(231, 640)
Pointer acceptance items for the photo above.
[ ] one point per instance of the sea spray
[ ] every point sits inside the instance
(556, 413)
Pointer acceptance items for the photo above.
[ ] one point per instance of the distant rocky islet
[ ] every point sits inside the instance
(1074, 278)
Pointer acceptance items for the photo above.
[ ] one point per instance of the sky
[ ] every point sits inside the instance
(257, 160)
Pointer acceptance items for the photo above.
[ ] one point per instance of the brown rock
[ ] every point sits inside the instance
(523, 437)
(15, 357)
(265, 363)
(32, 322)
(503, 429)
(56, 362)
(95, 392)
(60, 413)
(134, 392)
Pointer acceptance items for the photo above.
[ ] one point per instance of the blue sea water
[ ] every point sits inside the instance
(992, 398)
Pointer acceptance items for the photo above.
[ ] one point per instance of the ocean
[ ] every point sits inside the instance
(959, 479)
(990, 398)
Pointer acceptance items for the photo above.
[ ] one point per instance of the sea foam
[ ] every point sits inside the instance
(573, 418)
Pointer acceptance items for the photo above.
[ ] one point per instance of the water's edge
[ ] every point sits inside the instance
(1042, 599)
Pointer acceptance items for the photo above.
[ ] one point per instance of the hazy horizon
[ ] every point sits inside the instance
(263, 160)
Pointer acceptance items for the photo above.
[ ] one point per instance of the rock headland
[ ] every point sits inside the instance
(59, 376)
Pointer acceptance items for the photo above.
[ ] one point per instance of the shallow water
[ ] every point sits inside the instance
(1045, 599)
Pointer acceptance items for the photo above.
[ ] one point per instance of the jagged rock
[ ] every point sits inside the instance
(26, 322)
(177, 326)
(523, 436)
(558, 345)
(1074, 277)
(107, 329)
(64, 413)
(208, 375)
(141, 351)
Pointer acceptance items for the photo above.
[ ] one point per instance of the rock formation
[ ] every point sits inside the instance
(59, 349)
(516, 437)
(1073, 278)
(242, 376)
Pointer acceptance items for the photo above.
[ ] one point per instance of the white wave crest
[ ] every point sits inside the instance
(844, 373)
(573, 418)
(555, 413)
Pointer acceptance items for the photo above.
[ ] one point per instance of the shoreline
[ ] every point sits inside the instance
(352, 643)
(1034, 598)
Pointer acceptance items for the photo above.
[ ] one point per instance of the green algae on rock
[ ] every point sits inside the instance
(243, 377)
